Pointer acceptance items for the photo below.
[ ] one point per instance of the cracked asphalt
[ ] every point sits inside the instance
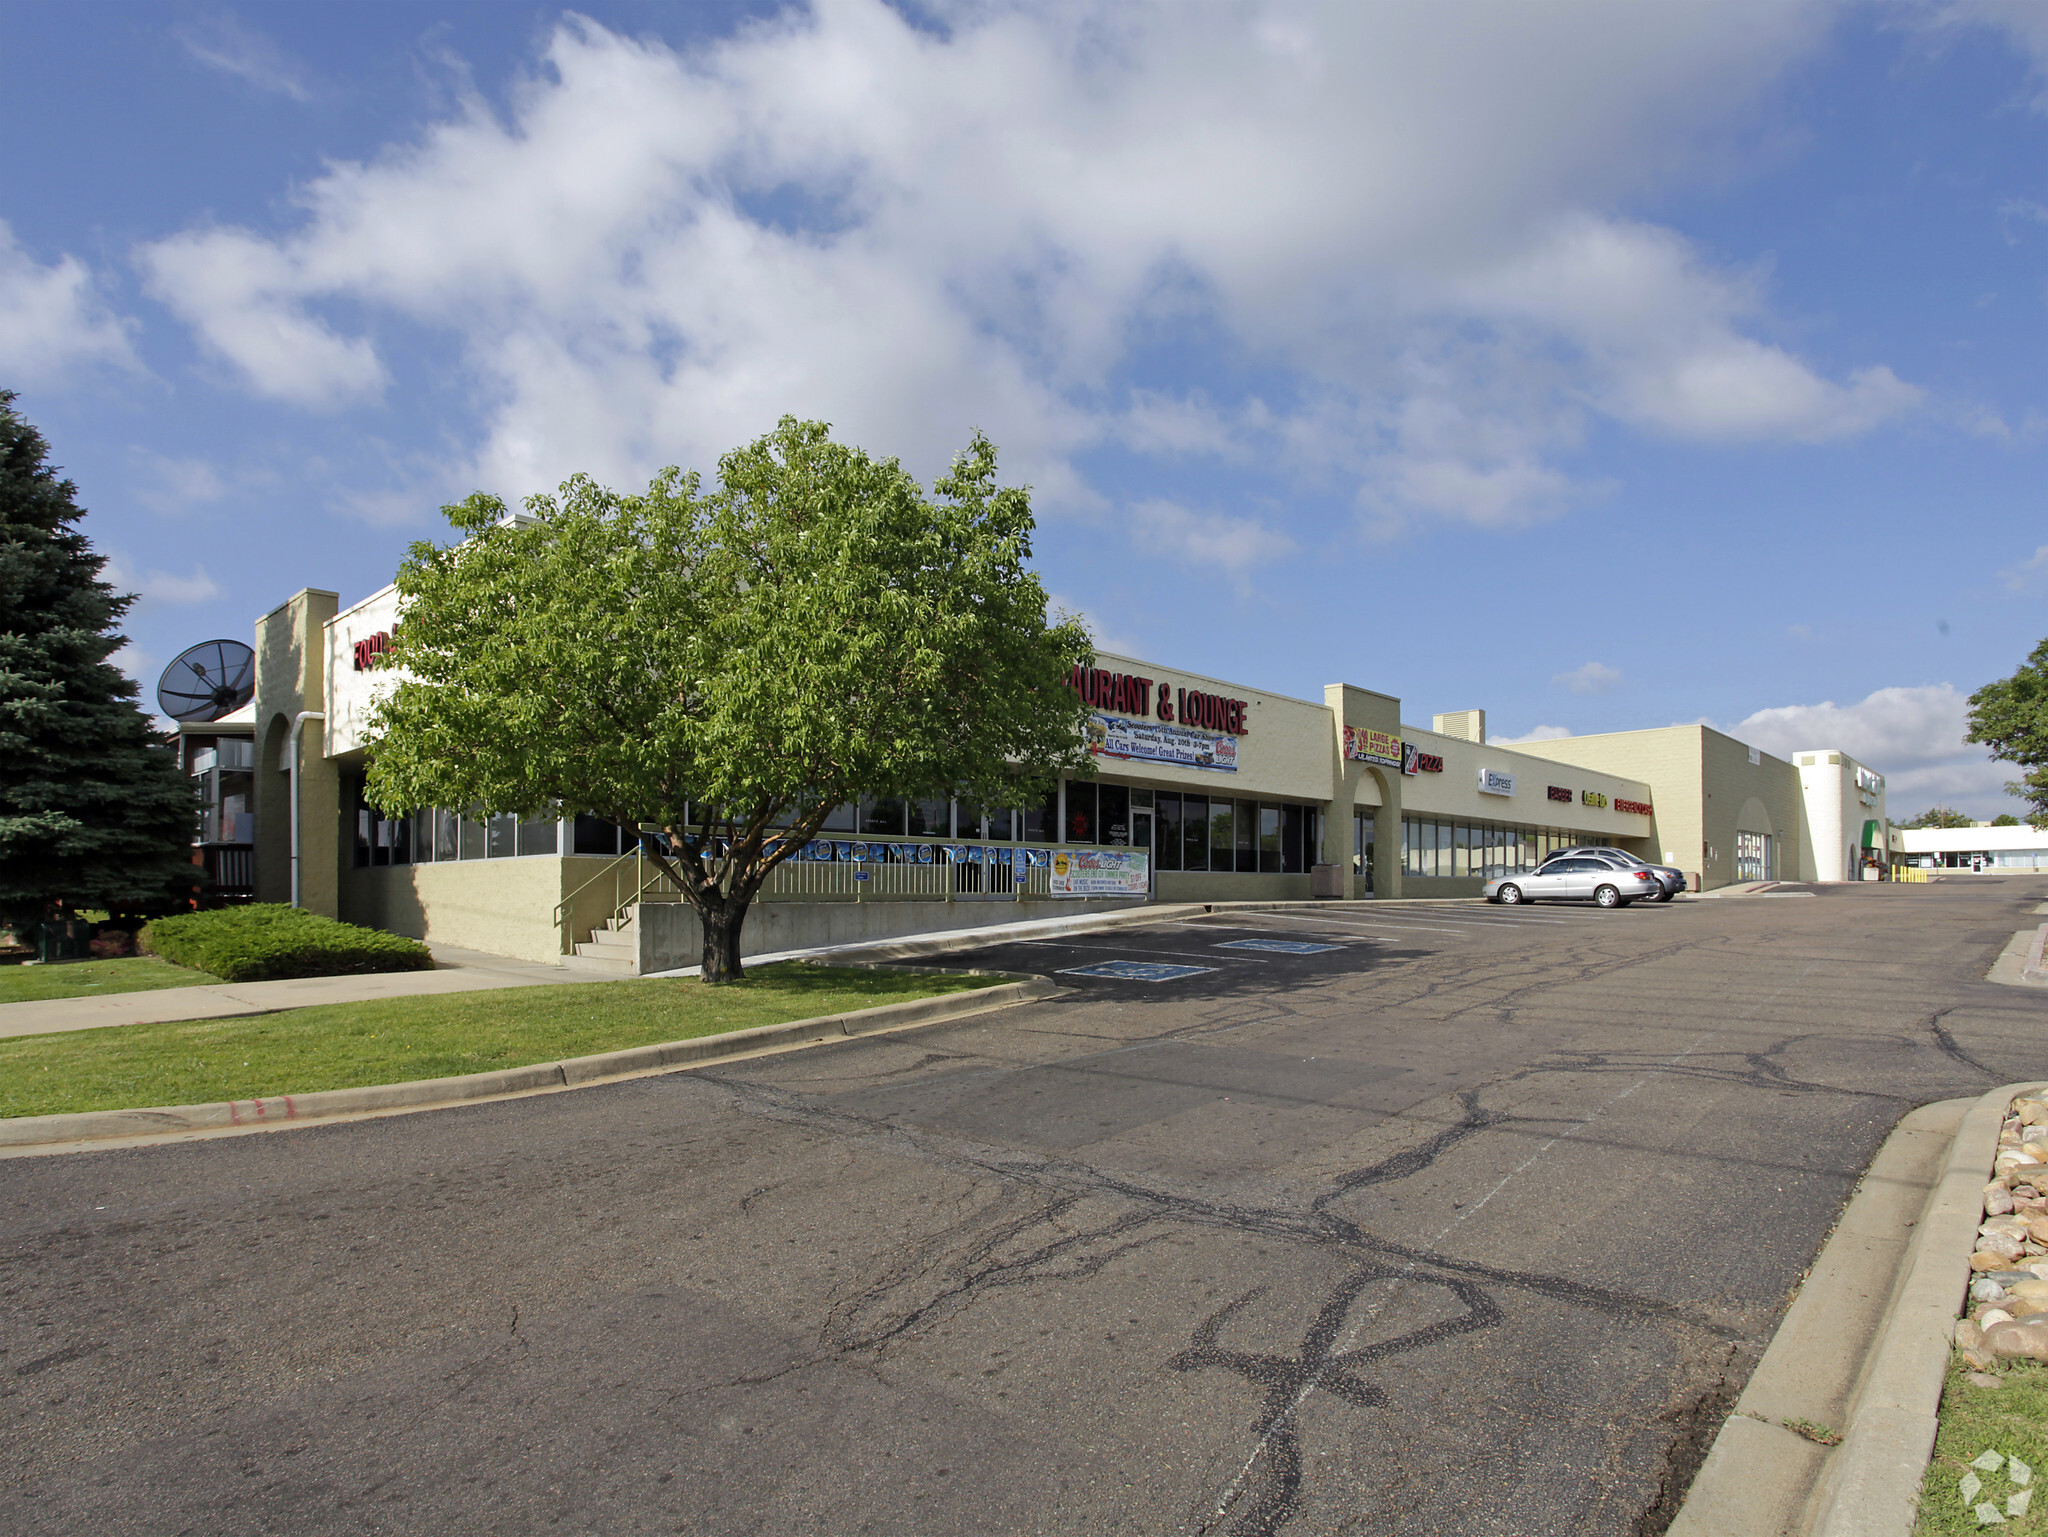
(1472, 1221)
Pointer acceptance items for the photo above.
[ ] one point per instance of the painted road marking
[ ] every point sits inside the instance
(1068, 944)
(1282, 946)
(1136, 971)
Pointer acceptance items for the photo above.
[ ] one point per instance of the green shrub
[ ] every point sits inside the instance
(267, 940)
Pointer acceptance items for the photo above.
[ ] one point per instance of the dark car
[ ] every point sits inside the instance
(1577, 878)
(1671, 878)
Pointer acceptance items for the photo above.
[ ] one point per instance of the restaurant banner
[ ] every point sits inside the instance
(1100, 873)
(1144, 741)
(1363, 746)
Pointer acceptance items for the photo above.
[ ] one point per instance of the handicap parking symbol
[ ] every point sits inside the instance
(1136, 971)
(1281, 946)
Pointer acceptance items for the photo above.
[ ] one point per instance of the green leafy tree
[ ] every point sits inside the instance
(1939, 816)
(2011, 718)
(730, 666)
(94, 809)
(2005, 819)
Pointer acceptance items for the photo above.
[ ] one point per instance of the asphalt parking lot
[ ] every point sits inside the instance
(1413, 1220)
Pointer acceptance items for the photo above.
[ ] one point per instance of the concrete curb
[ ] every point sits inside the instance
(27, 1133)
(1872, 1485)
(1864, 1346)
(2019, 964)
(1759, 1475)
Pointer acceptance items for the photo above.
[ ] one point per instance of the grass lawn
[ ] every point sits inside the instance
(2012, 1420)
(392, 1040)
(89, 979)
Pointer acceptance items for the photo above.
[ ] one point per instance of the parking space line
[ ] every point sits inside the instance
(1067, 944)
(1378, 923)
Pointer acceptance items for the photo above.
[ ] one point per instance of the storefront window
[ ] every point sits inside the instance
(1167, 835)
(501, 836)
(1113, 814)
(882, 818)
(931, 819)
(1222, 836)
(1082, 823)
(1042, 819)
(1194, 832)
(1269, 840)
(594, 835)
(538, 837)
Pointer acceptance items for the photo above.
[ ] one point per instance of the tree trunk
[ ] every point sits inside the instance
(721, 920)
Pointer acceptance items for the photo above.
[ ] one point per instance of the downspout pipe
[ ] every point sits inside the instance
(291, 767)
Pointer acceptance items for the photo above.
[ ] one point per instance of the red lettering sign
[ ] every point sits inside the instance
(1560, 793)
(369, 649)
(1639, 808)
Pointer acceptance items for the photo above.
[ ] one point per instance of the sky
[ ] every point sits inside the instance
(1600, 366)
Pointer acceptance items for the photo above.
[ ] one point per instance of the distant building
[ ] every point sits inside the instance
(1971, 848)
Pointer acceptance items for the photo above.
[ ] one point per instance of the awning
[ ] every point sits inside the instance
(1870, 835)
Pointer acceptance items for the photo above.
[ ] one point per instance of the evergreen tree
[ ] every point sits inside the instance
(95, 810)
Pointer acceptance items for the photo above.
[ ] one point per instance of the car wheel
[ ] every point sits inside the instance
(1663, 896)
(1508, 896)
(1607, 896)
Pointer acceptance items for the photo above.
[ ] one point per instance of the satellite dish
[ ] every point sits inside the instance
(214, 678)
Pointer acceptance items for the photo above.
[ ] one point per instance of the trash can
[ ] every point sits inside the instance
(1326, 880)
(69, 939)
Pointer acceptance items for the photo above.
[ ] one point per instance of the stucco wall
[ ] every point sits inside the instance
(1214, 886)
(290, 678)
(1455, 792)
(1701, 783)
(670, 935)
(501, 906)
(352, 694)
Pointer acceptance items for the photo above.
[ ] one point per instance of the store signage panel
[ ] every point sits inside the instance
(1365, 746)
(1415, 761)
(1127, 694)
(1560, 793)
(1593, 798)
(1143, 741)
(1494, 782)
(1100, 873)
(1633, 808)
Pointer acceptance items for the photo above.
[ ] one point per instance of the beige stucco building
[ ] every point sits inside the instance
(1204, 791)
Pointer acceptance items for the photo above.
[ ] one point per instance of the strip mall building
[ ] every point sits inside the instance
(1206, 791)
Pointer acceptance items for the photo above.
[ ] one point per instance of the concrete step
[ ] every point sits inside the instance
(621, 964)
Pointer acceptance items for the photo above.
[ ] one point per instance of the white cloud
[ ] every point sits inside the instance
(649, 256)
(171, 485)
(52, 318)
(1593, 678)
(1913, 736)
(1537, 734)
(1166, 529)
(1116, 642)
(156, 587)
(243, 296)
(225, 44)
(2028, 571)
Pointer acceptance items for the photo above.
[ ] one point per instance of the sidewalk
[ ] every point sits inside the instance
(455, 971)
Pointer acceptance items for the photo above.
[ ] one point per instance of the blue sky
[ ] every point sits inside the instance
(1599, 366)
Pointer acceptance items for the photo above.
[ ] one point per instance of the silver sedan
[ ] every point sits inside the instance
(1576, 878)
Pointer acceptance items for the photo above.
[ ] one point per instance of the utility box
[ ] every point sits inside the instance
(1326, 880)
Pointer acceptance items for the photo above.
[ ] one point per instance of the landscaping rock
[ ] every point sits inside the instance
(2016, 1341)
(1997, 1199)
